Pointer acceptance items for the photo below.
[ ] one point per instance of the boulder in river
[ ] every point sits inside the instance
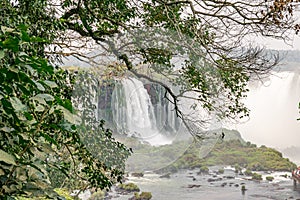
(137, 174)
(214, 179)
(194, 186)
(168, 175)
(142, 196)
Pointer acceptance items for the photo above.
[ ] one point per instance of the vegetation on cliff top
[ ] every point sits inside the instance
(231, 150)
(233, 153)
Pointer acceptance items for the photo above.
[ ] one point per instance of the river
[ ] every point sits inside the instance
(191, 186)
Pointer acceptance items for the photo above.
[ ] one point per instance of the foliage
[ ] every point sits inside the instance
(99, 195)
(269, 178)
(248, 172)
(212, 60)
(256, 176)
(141, 196)
(221, 171)
(38, 132)
(233, 152)
(128, 187)
(204, 169)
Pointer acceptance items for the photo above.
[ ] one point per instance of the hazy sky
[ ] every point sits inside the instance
(294, 44)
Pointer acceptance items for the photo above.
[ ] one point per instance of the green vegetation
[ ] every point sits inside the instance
(204, 169)
(235, 153)
(269, 178)
(128, 187)
(99, 195)
(248, 172)
(141, 196)
(221, 171)
(43, 142)
(256, 176)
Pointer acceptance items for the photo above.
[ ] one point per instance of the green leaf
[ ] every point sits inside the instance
(17, 104)
(5, 29)
(1, 54)
(6, 129)
(39, 108)
(47, 97)
(39, 86)
(51, 84)
(70, 117)
(7, 158)
(2, 172)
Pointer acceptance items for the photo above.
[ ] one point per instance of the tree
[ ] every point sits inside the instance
(206, 38)
(40, 137)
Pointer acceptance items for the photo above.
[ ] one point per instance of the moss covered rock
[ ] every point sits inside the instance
(127, 188)
(256, 176)
(141, 196)
(269, 178)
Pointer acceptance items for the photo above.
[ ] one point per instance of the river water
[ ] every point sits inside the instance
(191, 186)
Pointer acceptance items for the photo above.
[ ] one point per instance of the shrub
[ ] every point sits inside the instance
(256, 176)
(221, 171)
(99, 195)
(269, 178)
(142, 196)
(129, 187)
(204, 169)
(248, 172)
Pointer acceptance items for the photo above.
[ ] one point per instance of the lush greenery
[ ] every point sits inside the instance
(44, 144)
(256, 176)
(236, 153)
(269, 178)
(40, 145)
(142, 196)
(128, 187)
(233, 151)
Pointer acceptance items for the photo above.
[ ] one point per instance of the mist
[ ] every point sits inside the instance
(273, 105)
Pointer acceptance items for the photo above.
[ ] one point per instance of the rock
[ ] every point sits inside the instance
(223, 184)
(221, 171)
(137, 174)
(127, 188)
(270, 178)
(203, 170)
(142, 196)
(168, 175)
(285, 175)
(214, 179)
(236, 185)
(98, 195)
(194, 186)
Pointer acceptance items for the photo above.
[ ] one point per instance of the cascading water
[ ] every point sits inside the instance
(274, 111)
(135, 115)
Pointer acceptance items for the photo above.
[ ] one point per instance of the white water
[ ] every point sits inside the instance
(134, 114)
(274, 111)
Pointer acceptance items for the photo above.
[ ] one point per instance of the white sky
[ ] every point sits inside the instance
(281, 45)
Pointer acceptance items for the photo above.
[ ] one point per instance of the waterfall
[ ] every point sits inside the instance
(274, 111)
(140, 114)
